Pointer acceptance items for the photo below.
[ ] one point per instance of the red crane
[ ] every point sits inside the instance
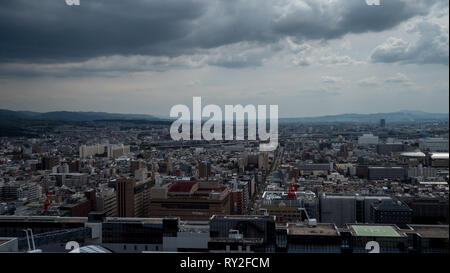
(47, 202)
(292, 189)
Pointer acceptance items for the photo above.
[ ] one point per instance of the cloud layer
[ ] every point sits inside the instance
(49, 30)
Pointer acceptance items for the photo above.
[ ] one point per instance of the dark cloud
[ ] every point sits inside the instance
(50, 31)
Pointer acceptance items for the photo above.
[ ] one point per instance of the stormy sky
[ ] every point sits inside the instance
(311, 57)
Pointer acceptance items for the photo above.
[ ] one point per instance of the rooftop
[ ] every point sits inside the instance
(374, 231)
(431, 231)
(320, 229)
(182, 186)
(413, 154)
(440, 156)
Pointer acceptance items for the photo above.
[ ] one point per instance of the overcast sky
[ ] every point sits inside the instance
(311, 57)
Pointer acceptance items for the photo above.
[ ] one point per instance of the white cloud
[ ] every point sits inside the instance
(368, 82)
(432, 47)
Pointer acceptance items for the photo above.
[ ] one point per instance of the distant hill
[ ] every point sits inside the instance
(72, 116)
(401, 116)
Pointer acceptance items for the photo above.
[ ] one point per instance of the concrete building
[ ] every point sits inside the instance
(391, 212)
(344, 209)
(367, 139)
(190, 200)
(70, 179)
(434, 144)
(133, 198)
(319, 238)
(389, 148)
(380, 173)
(107, 202)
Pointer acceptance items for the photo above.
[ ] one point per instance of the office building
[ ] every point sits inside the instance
(190, 200)
(367, 139)
(391, 212)
(434, 144)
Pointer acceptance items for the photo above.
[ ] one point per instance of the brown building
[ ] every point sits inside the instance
(135, 165)
(190, 200)
(237, 202)
(49, 162)
(204, 169)
(82, 209)
(132, 199)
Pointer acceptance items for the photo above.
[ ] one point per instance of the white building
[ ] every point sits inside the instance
(112, 150)
(368, 139)
(434, 144)
(91, 150)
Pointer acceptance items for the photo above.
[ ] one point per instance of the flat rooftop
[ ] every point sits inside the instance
(134, 220)
(320, 229)
(375, 231)
(431, 231)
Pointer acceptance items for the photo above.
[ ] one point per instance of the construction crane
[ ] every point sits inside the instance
(292, 193)
(47, 203)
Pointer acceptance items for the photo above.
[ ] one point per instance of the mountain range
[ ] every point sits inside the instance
(400, 116)
(72, 116)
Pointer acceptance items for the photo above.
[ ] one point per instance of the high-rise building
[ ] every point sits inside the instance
(107, 203)
(125, 197)
(382, 123)
(204, 169)
(133, 199)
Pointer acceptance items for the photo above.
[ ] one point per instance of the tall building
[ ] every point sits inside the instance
(204, 169)
(132, 198)
(125, 197)
(382, 123)
(236, 202)
(107, 203)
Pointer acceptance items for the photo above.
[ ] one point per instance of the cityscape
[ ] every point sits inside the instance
(228, 134)
(125, 186)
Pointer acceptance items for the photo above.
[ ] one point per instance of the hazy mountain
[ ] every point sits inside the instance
(401, 116)
(72, 116)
